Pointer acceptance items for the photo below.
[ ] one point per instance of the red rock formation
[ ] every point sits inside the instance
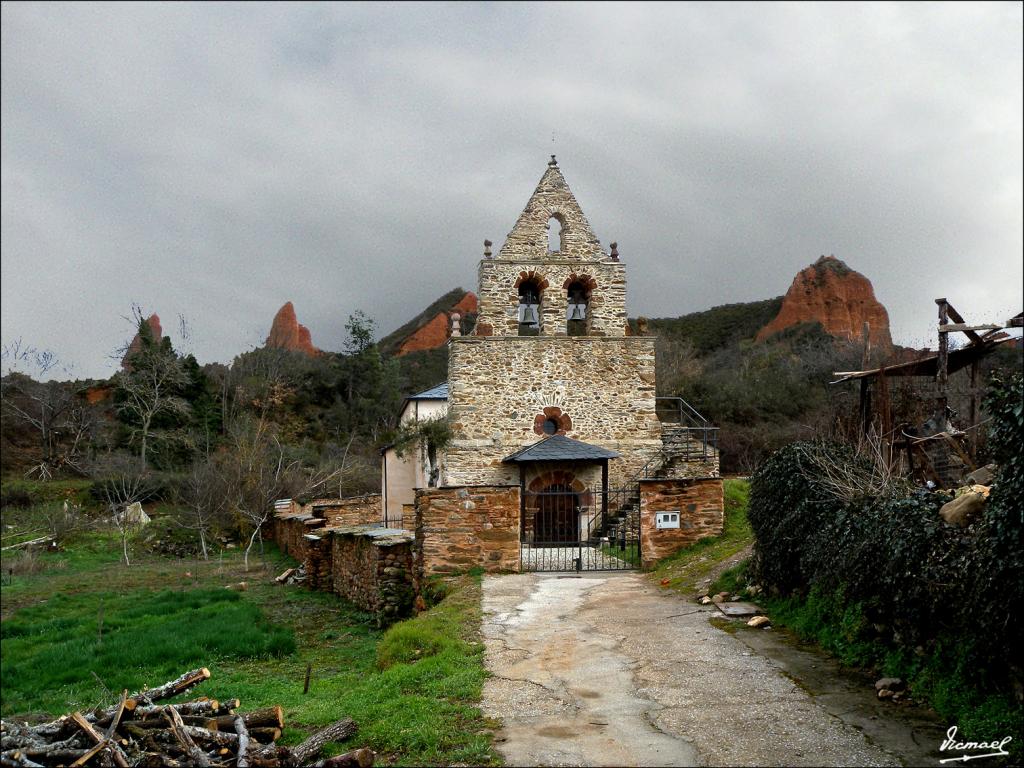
(434, 333)
(153, 321)
(830, 293)
(287, 333)
(98, 394)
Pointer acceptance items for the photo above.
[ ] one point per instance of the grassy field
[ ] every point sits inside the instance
(684, 571)
(85, 625)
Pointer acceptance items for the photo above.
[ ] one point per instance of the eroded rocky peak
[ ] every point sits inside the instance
(287, 332)
(153, 321)
(839, 298)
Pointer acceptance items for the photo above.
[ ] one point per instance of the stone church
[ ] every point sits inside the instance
(561, 455)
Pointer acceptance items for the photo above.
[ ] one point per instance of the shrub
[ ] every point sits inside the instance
(888, 564)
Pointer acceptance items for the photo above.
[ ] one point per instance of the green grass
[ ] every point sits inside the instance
(945, 678)
(50, 651)
(732, 580)
(631, 554)
(688, 566)
(412, 690)
(41, 492)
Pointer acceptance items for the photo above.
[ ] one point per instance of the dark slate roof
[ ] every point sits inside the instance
(440, 392)
(560, 448)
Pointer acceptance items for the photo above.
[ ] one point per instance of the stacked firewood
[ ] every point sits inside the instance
(139, 732)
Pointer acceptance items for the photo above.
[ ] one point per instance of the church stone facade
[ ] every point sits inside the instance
(552, 355)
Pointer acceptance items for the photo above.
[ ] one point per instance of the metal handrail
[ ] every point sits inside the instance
(684, 409)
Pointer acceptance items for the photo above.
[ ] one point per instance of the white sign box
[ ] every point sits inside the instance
(666, 519)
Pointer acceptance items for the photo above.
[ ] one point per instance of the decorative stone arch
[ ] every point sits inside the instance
(552, 506)
(559, 477)
(552, 413)
(584, 279)
(579, 292)
(537, 277)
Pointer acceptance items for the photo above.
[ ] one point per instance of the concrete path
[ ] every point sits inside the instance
(606, 669)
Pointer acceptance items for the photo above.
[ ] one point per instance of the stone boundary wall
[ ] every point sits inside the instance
(701, 507)
(289, 532)
(354, 510)
(467, 527)
(375, 573)
(370, 566)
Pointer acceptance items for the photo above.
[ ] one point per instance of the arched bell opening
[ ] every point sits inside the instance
(529, 308)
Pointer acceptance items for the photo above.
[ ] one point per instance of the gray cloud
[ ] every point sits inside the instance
(218, 160)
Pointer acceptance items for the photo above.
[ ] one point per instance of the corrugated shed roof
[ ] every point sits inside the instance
(560, 448)
(440, 392)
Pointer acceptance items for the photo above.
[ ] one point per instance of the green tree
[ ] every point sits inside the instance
(149, 392)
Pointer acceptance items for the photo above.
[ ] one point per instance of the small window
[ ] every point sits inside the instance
(550, 426)
(555, 229)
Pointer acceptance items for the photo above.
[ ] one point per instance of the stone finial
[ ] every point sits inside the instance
(615, 251)
(552, 162)
(456, 324)
(487, 249)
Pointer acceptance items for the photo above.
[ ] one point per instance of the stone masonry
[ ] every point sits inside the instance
(700, 504)
(369, 566)
(525, 256)
(353, 510)
(498, 386)
(462, 528)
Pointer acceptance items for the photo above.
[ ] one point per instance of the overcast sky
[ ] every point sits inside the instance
(215, 161)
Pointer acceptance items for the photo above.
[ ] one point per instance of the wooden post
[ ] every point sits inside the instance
(865, 405)
(942, 362)
(974, 410)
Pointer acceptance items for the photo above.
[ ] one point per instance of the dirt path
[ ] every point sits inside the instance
(609, 670)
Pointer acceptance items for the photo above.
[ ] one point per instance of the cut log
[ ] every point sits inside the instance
(268, 717)
(119, 758)
(284, 576)
(243, 742)
(206, 736)
(15, 757)
(186, 709)
(115, 719)
(197, 755)
(167, 690)
(266, 735)
(228, 707)
(357, 758)
(157, 723)
(311, 747)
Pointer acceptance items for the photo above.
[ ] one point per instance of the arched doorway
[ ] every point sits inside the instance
(557, 520)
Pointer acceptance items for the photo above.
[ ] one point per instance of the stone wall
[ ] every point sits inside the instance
(498, 387)
(289, 532)
(374, 572)
(701, 507)
(499, 295)
(370, 566)
(462, 528)
(354, 510)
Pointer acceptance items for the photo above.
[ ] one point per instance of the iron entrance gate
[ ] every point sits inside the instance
(567, 529)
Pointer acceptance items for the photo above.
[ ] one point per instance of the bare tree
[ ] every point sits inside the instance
(54, 410)
(258, 473)
(203, 500)
(677, 363)
(122, 481)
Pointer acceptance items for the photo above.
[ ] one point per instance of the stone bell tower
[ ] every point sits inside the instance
(551, 353)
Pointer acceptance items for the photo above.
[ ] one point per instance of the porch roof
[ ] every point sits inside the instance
(560, 448)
